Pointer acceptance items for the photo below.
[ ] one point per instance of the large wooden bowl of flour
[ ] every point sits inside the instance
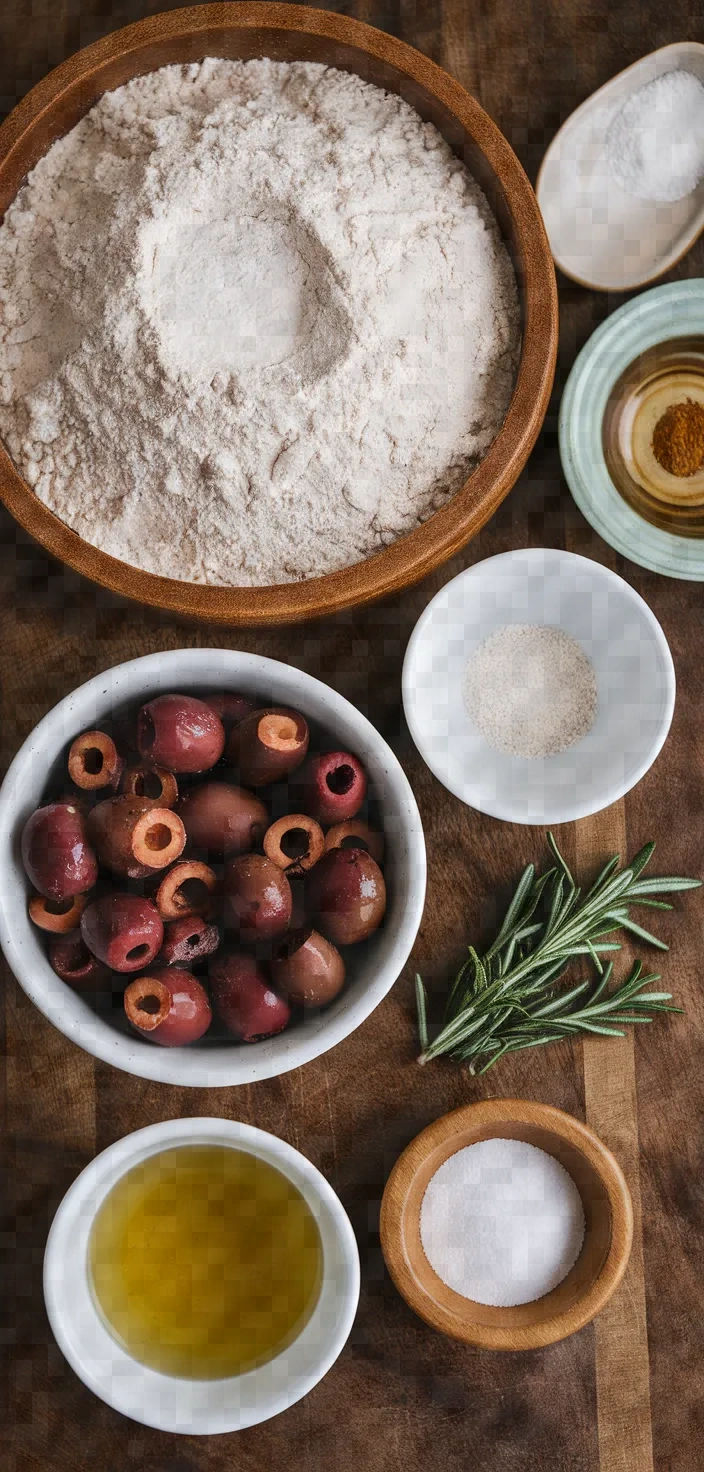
(296, 33)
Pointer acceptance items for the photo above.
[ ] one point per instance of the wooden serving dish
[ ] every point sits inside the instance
(598, 1269)
(287, 33)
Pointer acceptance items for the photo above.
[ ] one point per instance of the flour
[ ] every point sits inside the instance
(256, 322)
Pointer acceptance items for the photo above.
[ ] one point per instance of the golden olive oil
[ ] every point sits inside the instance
(205, 1261)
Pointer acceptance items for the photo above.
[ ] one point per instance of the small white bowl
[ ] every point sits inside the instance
(619, 634)
(372, 968)
(599, 235)
(170, 1403)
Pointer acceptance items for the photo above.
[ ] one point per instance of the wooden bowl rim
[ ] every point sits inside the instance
(447, 530)
(460, 1325)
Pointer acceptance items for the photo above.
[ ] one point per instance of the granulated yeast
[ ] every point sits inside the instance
(530, 690)
(256, 322)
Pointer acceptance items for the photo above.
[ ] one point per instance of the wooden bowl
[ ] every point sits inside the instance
(589, 1284)
(287, 33)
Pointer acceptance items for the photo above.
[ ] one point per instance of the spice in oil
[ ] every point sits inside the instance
(678, 438)
(653, 435)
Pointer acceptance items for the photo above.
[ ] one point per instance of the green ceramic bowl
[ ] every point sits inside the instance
(666, 312)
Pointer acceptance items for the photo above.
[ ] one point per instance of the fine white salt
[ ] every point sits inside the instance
(655, 143)
(502, 1222)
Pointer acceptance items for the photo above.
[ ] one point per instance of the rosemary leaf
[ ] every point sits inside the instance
(420, 1008)
(644, 934)
(510, 998)
(522, 891)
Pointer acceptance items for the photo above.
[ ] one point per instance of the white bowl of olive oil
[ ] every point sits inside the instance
(201, 1276)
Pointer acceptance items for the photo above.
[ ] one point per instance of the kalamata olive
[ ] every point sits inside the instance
(169, 1006)
(75, 799)
(134, 838)
(244, 1000)
(295, 843)
(222, 819)
(258, 898)
(123, 930)
(94, 762)
(181, 733)
(57, 916)
(355, 833)
(346, 895)
(268, 744)
(230, 707)
(56, 851)
(70, 958)
(298, 894)
(334, 786)
(188, 940)
(187, 889)
(308, 969)
(151, 781)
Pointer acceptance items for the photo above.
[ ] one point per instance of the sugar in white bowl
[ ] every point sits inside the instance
(617, 634)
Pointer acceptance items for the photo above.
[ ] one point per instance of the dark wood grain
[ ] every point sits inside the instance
(401, 1397)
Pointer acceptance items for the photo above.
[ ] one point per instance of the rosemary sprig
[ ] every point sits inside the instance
(509, 998)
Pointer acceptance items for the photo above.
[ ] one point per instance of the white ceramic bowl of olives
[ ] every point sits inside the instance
(213, 867)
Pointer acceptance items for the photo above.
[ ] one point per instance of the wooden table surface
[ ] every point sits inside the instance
(401, 1398)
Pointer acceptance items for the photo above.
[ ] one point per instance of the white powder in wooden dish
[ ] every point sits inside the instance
(530, 690)
(256, 322)
(502, 1222)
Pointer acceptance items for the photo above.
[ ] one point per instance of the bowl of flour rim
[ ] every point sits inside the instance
(372, 971)
(296, 33)
(597, 617)
(608, 1225)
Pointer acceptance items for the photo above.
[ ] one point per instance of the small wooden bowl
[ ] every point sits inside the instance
(598, 1269)
(300, 33)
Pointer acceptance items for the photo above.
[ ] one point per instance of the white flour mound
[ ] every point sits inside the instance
(256, 322)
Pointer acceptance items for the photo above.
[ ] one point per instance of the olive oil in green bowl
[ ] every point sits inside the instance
(205, 1262)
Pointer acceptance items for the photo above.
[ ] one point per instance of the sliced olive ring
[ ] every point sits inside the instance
(355, 833)
(294, 843)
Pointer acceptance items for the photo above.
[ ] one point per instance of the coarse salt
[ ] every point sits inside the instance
(502, 1222)
(655, 142)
